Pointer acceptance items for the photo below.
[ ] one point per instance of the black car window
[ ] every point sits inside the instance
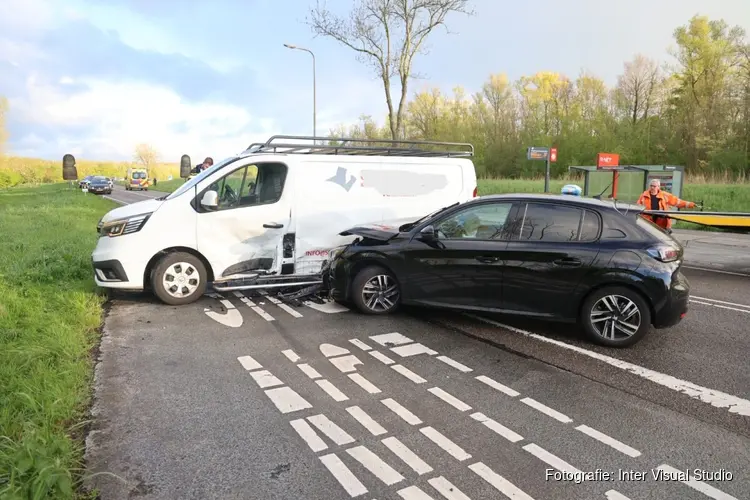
(549, 222)
(589, 226)
(481, 222)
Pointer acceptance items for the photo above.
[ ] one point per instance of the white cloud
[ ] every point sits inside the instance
(121, 115)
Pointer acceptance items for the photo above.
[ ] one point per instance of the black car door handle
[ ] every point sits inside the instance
(487, 259)
(569, 262)
(273, 225)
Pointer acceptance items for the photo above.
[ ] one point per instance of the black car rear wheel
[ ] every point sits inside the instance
(615, 316)
(375, 291)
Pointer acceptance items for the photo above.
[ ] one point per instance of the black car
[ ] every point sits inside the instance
(100, 185)
(556, 257)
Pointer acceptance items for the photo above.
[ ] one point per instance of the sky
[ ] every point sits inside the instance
(96, 78)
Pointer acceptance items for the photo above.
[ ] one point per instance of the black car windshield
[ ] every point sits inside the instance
(410, 225)
(99, 179)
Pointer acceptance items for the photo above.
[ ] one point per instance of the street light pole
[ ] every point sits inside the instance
(315, 111)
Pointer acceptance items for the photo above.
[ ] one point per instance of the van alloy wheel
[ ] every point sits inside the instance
(615, 317)
(181, 280)
(380, 293)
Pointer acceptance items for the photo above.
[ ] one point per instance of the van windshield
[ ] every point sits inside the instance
(195, 180)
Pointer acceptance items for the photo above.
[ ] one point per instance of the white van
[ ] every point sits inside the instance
(269, 216)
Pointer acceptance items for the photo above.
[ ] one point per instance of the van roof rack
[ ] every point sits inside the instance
(290, 144)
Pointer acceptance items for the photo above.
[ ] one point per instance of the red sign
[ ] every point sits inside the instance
(553, 155)
(606, 160)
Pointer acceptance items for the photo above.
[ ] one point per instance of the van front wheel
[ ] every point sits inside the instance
(179, 278)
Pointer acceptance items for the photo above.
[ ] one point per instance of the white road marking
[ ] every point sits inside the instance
(409, 374)
(501, 484)
(716, 271)
(446, 444)
(328, 307)
(364, 383)
(330, 429)
(391, 339)
(615, 495)
(550, 459)
(451, 400)
(706, 299)
(115, 200)
(291, 355)
(376, 465)
(381, 357)
(455, 364)
(746, 311)
(283, 306)
(346, 364)
(413, 493)
(447, 489)
(309, 371)
(343, 475)
(547, 410)
(704, 488)
(366, 420)
(360, 344)
(713, 397)
(264, 379)
(257, 310)
(329, 350)
(402, 412)
(232, 318)
(409, 457)
(249, 363)
(498, 386)
(412, 350)
(331, 389)
(287, 400)
(497, 427)
(610, 441)
(307, 433)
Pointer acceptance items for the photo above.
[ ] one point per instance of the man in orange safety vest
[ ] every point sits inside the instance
(656, 199)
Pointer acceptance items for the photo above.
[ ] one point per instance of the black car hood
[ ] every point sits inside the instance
(99, 184)
(373, 232)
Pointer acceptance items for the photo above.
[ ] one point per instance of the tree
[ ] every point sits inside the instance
(146, 155)
(637, 87)
(387, 34)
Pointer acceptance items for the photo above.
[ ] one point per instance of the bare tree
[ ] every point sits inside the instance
(146, 155)
(387, 34)
(637, 86)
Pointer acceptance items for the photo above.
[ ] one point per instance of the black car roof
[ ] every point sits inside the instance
(567, 199)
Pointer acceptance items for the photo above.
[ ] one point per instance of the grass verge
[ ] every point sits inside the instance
(50, 314)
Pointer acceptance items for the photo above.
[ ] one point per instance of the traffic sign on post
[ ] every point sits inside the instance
(534, 153)
(553, 155)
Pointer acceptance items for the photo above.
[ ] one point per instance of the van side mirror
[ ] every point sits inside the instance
(185, 166)
(210, 199)
(428, 233)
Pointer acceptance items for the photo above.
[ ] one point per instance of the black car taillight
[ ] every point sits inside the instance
(664, 253)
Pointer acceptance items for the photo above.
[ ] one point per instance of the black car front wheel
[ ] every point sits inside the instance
(615, 316)
(375, 291)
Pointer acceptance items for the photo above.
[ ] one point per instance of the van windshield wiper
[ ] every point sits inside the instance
(409, 225)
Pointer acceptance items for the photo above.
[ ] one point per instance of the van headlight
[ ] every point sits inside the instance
(122, 227)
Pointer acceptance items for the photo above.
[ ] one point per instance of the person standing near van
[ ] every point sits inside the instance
(656, 199)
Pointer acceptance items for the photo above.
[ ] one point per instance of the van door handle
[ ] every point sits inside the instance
(487, 259)
(568, 262)
(273, 225)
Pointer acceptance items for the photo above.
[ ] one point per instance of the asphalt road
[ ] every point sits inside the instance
(238, 397)
(122, 196)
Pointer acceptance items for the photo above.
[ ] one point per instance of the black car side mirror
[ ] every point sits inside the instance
(428, 234)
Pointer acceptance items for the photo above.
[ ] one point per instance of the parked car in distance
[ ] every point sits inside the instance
(597, 263)
(85, 181)
(100, 185)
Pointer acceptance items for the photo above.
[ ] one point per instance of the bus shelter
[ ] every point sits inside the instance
(627, 182)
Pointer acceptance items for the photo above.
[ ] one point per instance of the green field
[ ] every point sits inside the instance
(49, 320)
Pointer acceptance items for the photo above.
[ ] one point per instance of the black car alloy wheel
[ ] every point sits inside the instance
(376, 291)
(616, 317)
